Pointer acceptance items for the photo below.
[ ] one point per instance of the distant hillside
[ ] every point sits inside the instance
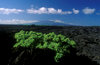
(46, 23)
(51, 23)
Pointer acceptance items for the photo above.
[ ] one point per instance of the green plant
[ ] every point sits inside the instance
(59, 43)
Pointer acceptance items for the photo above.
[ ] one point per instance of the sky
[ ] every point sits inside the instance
(76, 12)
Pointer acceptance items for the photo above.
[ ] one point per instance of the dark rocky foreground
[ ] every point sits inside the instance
(87, 50)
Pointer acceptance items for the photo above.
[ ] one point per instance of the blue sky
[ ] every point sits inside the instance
(76, 12)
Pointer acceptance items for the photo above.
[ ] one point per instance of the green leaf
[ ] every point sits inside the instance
(58, 43)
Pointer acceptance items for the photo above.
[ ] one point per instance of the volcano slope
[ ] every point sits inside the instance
(87, 50)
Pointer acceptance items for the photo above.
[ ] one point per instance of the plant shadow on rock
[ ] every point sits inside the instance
(46, 56)
(30, 57)
(6, 40)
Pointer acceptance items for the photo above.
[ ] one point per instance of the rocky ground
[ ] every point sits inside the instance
(87, 50)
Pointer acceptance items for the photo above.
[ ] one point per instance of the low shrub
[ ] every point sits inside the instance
(58, 43)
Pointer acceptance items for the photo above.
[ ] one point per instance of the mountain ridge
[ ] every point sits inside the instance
(51, 23)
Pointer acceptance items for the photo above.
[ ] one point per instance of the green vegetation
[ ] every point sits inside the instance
(58, 43)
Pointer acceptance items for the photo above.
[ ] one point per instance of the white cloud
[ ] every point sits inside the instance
(44, 10)
(9, 11)
(16, 21)
(53, 11)
(57, 21)
(88, 10)
(67, 12)
(59, 10)
(75, 11)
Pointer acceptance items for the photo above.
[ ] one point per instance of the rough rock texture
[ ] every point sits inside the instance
(90, 47)
(88, 42)
(86, 52)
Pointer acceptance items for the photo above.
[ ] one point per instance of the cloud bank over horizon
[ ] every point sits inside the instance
(9, 11)
(44, 10)
(17, 21)
(88, 10)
